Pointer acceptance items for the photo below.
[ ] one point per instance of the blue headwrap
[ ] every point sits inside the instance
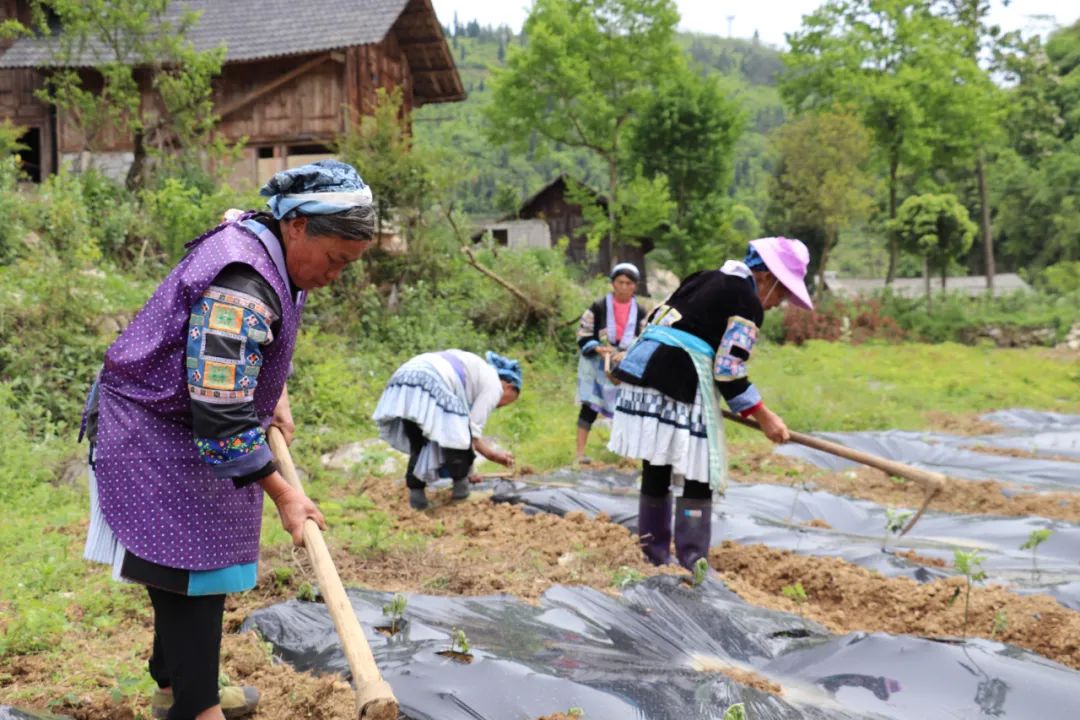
(325, 187)
(509, 370)
(753, 260)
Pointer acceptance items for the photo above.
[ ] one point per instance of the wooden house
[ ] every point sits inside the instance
(549, 215)
(294, 73)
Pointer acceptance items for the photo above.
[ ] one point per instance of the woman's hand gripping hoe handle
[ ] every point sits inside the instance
(374, 698)
(932, 482)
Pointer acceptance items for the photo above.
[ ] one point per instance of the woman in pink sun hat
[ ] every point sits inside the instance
(693, 351)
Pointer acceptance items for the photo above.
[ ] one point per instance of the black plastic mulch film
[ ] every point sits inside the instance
(654, 653)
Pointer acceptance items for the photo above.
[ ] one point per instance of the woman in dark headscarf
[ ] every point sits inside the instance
(694, 349)
(435, 407)
(177, 421)
(608, 327)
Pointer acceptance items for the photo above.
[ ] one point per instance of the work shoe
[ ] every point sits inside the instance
(693, 530)
(461, 489)
(654, 528)
(418, 499)
(236, 702)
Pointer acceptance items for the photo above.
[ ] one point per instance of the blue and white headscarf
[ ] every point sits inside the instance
(753, 260)
(325, 187)
(509, 370)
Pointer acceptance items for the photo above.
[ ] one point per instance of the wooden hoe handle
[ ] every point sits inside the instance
(374, 698)
(932, 482)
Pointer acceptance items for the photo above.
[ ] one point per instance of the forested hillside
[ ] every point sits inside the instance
(495, 180)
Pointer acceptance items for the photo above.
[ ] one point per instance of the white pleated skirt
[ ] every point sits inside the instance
(649, 425)
(416, 392)
(102, 546)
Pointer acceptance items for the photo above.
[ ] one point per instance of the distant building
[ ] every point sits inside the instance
(547, 216)
(973, 285)
(293, 74)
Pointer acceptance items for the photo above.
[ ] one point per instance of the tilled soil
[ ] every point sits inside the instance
(845, 598)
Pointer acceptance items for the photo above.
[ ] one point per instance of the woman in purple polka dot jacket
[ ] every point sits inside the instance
(178, 414)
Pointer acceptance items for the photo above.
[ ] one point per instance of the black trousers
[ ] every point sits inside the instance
(187, 649)
(455, 462)
(586, 417)
(656, 482)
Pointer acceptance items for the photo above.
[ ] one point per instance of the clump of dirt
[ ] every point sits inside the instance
(1024, 454)
(977, 497)
(845, 598)
(817, 523)
(912, 556)
(743, 676)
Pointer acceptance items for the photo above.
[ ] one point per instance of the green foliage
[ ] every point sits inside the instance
(405, 180)
(969, 564)
(548, 90)
(625, 576)
(1035, 539)
(908, 74)
(796, 593)
(183, 208)
(935, 227)
(1001, 624)
(820, 186)
(1062, 277)
(686, 133)
(701, 571)
(894, 523)
(306, 592)
(459, 642)
(115, 37)
(736, 712)
(395, 610)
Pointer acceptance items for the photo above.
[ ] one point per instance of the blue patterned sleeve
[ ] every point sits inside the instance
(227, 331)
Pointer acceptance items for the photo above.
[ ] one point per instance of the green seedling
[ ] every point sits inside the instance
(282, 577)
(395, 610)
(969, 564)
(1001, 624)
(795, 593)
(894, 523)
(459, 642)
(736, 712)
(306, 592)
(626, 575)
(800, 485)
(576, 712)
(701, 571)
(1035, 539)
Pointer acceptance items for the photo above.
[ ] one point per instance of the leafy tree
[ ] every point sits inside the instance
(405, 181)
(899, 64)
(1038, 206)
(936, 227)
(588, 67)
(820, 186)
(148, 82)
(979, 117)
(687, 133)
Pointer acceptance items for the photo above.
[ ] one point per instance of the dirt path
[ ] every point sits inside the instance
(845, 598)
(977, 497)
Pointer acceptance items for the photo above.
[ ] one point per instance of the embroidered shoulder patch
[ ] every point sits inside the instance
(735, 348)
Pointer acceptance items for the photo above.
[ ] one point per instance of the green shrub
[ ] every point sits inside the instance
(63, 219)
(1062, 278)
(179, 210)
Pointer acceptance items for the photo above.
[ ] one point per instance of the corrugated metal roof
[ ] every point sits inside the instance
(254, 29)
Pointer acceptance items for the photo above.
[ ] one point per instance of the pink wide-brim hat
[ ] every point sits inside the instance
(787, 260)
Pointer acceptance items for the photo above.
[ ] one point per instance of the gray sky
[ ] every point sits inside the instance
(771, 18)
